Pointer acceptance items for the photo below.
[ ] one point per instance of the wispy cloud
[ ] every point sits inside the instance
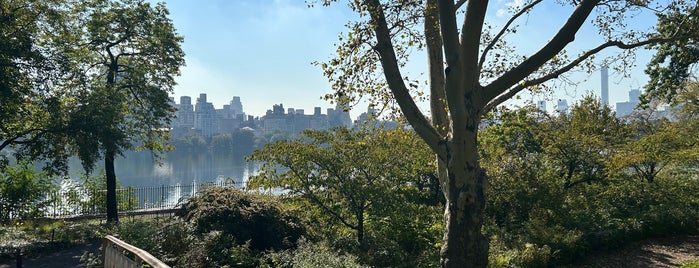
(515, 4)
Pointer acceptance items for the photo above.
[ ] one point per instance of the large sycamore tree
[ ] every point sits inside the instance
(126, 54)
(472, 68)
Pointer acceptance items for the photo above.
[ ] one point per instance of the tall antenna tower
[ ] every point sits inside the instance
(605, 86)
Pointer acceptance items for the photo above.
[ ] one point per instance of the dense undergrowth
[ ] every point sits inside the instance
(560, 227)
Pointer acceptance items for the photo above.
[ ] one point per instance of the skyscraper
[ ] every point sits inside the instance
(185, 113)
(541, 105)
(236, 106)
(626, 108)
(605, 86)
(205, 120)
(562, 106)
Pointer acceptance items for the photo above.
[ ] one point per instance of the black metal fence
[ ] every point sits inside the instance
(78, 201)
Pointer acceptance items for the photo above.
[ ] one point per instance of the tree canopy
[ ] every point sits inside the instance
(125, 55)
(30, 74)
(346, 176)
(473, 67)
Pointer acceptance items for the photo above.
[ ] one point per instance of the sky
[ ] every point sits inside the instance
(262, 51)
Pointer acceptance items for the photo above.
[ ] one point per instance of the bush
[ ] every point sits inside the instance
(22, 192)
(244, 217)
(309, 255)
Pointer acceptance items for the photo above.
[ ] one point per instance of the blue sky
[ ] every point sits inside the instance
(261, 50)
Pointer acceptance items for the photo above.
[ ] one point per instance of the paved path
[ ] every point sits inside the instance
(64, 258)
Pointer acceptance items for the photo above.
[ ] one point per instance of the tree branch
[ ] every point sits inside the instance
(13, 140)
(471, 32)
(565, 35)
(316, 199)
(502, 32)
(458, 4)
(533, 82)
(389, 62)
(435, 63)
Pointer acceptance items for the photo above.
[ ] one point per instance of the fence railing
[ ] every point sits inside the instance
(117, 253)
(78, 201)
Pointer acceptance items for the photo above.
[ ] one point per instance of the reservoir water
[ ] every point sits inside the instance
(140, 169)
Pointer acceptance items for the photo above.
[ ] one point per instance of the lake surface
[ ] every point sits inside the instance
(139, 169)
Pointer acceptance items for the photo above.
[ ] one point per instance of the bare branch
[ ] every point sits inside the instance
(503, 30)
(389, 62)
(435, 63)
(533, 82)
(450, 34)
(565, 35)
(471, 32)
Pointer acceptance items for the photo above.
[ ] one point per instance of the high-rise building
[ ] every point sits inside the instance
(339, 116)
(205, 120)
(562, 106)
(605, 86)
(541, 105)
(626, 108)
(185, 113)
(635, 95)
(236, 106)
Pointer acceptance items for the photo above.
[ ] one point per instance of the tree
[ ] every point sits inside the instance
(22, 192)
(580, 144)
(661, 142)
(29, 74)
(346, 174)
(126, 54)
(482, 71)
(673, 64)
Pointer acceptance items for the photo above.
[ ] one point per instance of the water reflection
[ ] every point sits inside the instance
(139, 169)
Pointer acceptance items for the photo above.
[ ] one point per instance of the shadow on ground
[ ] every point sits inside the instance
(63, 258)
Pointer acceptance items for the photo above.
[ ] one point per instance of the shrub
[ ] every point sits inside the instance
(309, 255)
(244, 217)
(21, 192)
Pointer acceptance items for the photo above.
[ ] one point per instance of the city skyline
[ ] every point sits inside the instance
(263, 51)
(239, 101)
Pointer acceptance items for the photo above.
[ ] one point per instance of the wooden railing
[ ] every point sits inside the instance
(118, 254)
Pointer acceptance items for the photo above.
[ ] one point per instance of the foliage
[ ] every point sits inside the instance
(222, 142)
(308, 255)
(95, 188)
(533, 214)
(582, 142)
(45, 235)
(342, 177)
(673, 64)
(29, 72)
(190, 141)
(239, 142)
(125, 55)
(483, 70)
(690, 264)
(22, 192)
(243, 217)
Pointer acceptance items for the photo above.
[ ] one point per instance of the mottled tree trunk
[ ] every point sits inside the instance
(464, 244)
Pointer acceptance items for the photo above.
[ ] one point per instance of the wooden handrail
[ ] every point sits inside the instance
(113, 255)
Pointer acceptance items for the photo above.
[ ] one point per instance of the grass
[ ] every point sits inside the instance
(690, 264)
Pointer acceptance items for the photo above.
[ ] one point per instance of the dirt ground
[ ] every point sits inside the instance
(64, 258)
(659, 252)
